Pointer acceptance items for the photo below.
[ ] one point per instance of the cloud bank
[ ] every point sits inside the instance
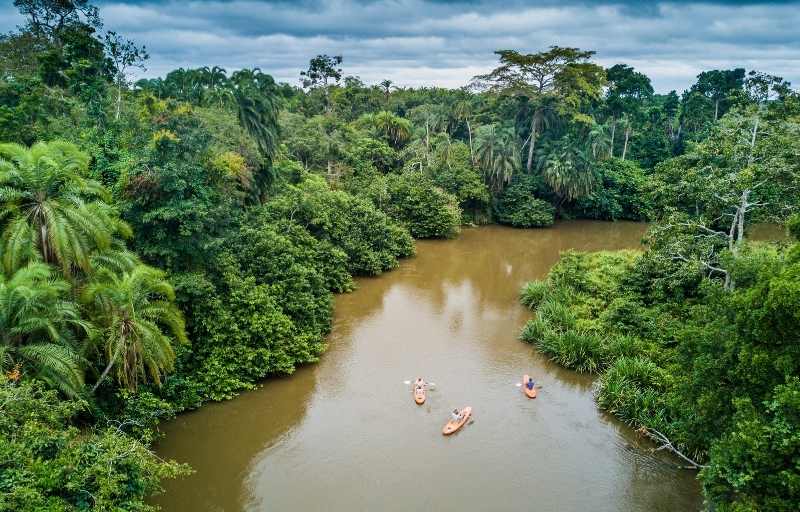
(416, 42)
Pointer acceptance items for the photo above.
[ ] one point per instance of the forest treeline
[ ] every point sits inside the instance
(173, 241)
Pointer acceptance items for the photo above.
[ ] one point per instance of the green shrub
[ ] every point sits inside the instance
(621, 195)
(621, 345)
(453, 172)
(753, 467)
(573, 325)
(793, 226)
(243, 336)
(518, 207)
(49, 464)
(371, 241)
(425, 209)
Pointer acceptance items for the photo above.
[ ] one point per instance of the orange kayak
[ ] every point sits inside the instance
(419, 391)
(453, 426)
(530, 393)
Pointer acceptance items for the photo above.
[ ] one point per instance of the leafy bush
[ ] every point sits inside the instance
(581, 351)
(518, 207)
(242, 334)
(375, 152)
(48, 464)
(425, 209)
(371, 241)
(453, 172)
(793, 226)
(754, 466)
(569, 306)
(621, 195)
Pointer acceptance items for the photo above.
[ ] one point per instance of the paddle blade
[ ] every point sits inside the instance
(406, 382)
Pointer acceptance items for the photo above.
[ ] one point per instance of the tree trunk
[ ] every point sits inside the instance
(742, 211)
(45, 245)
(716, 109)
(119, 98)
(534, 120)
(427, 136)
(108, 368)
(753, 143)
(625, 146)
(613, 131)
(471, 152)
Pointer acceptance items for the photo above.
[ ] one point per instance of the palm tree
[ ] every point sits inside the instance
(217, 82)
(597, 141)
(37, 328)
(130, 309)
(396, 130)
(259, 117)
(257, 108)
(51, 212)
(463, 112)
(497, 155)
(544, 114)
(566, 169)
(387, 88)
(434, 118)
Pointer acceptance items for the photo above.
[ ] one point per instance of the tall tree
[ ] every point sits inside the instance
(718, 86)
(627, 91)
(762, 87)
(559, 78)
(124, 54)
(386, 85)
(463, 111)
(322, 70)
(497, 155)
(48, 18)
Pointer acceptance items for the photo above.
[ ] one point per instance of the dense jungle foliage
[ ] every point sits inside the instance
(176, 240)
(695, 340)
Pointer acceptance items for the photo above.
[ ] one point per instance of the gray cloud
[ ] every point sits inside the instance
(416, 42)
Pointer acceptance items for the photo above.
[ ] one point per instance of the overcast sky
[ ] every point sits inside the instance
(416, 42)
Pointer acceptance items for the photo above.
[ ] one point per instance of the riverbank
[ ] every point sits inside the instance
(676, 351)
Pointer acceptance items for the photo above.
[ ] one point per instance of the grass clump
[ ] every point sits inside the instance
(568, 304)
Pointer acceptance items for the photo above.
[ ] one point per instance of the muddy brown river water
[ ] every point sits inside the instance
(345, 434)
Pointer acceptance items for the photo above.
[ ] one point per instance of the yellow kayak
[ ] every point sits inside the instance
(453, 426)
(530, 393)
(419, 391)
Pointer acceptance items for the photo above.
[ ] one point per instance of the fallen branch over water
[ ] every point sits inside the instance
(666, 444)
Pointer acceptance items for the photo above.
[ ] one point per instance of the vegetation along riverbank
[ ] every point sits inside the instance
(176, 240)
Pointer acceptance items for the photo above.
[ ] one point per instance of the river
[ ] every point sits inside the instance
(345, 435)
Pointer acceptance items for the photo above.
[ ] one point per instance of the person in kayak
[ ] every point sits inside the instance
(455, 416)
(419, 384)
(530, 383)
